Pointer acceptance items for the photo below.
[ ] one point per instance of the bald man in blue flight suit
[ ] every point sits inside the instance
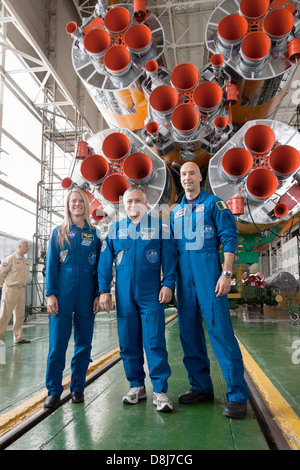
(199, 224)
(140, 245)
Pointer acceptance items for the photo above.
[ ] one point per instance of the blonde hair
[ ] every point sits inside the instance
(65, 227)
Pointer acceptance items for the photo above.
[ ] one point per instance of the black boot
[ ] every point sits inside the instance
(193, 396)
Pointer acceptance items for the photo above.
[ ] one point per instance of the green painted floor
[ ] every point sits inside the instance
(103, 422)
(23, 367)
(274, 344)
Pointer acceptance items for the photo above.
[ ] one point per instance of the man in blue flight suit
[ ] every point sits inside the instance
(199, 224)
(140, 245)
(71, 287)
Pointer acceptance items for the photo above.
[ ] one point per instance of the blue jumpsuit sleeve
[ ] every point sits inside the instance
(168, 258)
(105, 274)
(226, 227)
(52, 264)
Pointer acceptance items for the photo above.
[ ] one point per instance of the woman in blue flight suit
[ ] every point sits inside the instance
(140, 251)
(71, 287)
(198, 231)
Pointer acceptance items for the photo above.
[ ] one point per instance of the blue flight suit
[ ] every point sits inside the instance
(71, 275)
(140, 251)
(198, 233)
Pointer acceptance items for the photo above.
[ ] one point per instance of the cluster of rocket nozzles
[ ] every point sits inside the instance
(112, 172)
(257, 280)
(256, 27)
(114, 40)
(188, 102)
(264, 163)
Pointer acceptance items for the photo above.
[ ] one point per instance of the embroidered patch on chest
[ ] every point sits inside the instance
(119, 257)
(63, 255)
(152, 256)
(207, 231)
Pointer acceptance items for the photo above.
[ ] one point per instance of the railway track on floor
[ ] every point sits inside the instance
(276, 437)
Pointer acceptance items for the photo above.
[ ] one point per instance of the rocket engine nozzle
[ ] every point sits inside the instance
(116, 146)
(163, 99)
(261, 184)
(281, 210)
(117, 60)
(255, 48)
(185, 118)
(232, 29)
(96, 42)
(254, 9)
(67, 183)
(94, 169)
(117, 20)
(259, 139)
(284, 160)
(113, 187)
(278, 24)
(207, 96)
(138, 39)
(184, 77)
(138, 167)
(236, 163)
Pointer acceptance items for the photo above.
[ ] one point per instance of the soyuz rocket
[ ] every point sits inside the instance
(219, 116)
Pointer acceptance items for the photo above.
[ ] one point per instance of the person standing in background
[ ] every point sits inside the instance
(14, 272)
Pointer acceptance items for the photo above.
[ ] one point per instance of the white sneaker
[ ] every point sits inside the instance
(134, 395)
(2, 343)
(162, 402)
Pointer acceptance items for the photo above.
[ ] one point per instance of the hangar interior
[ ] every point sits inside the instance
(40, 86)
(46, 108)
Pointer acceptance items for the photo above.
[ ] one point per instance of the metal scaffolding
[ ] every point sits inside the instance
(62, 124)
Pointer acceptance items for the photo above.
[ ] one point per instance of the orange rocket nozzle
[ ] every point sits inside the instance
(96, 42)
(94, 169)
(163, 99)
(117, 60)
(255, 47)
(151, 66)
(138, 38)
(185, 76)
(220, 123)
(116, 146)
(138, 167)
(237, 162)
(207, 96)
(254, 9)
(232, 29)
(117, 20)
(278, 23)
(152, 127)
(113, 187)
(261, 183)
(217, 61)
(185, 118)
(259, 139)
(67, 183)
(71, 27)
(284, 160)
(281, 209)
(96, 208)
